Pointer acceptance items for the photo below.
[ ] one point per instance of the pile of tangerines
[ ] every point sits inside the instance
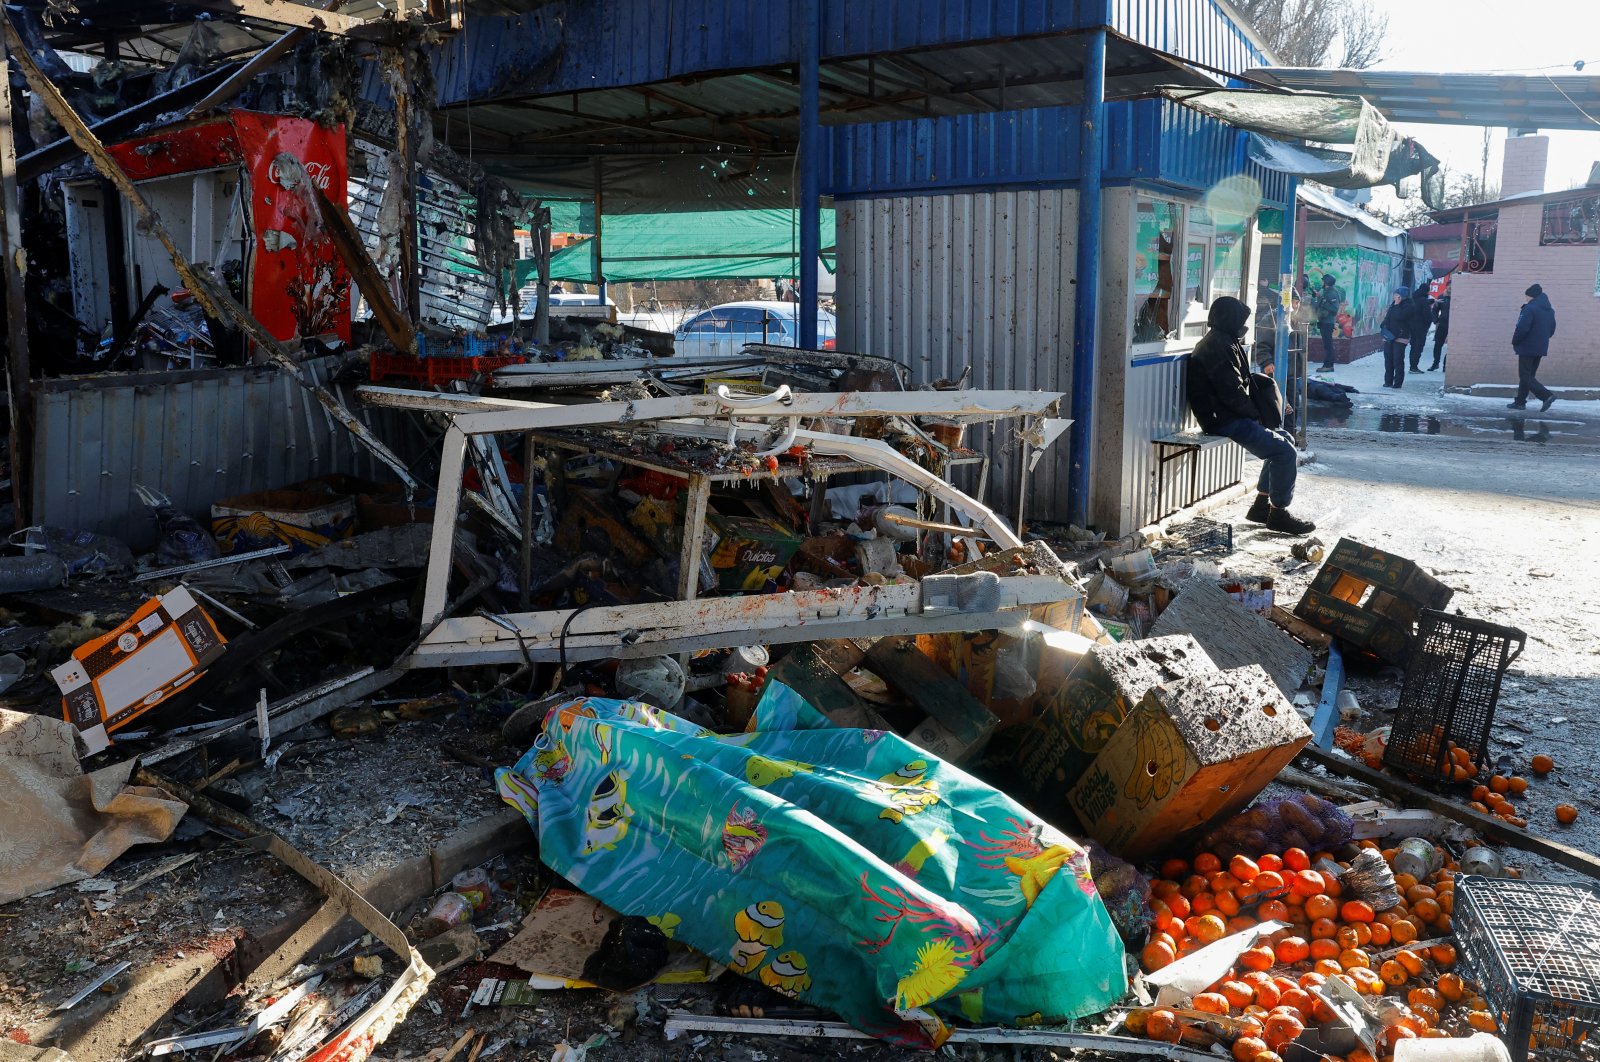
(1400, 952)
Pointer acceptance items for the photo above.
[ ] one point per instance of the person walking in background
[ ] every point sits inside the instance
(1441, 328)
(1421, 318)
(1536, 324)
(1396, 327)
(1219, 391)
(1327, 301)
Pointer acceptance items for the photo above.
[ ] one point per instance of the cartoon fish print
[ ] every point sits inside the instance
(938, 969)
(668, 923)
(1036, 871)
(742, 836)
(568, 714)
(925, 849)
(759, 926)
(912, 773)
(553, 763)
(607, 817)
(787, 974)
(762, 772)
(604, 736)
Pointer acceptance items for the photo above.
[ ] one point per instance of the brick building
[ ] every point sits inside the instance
(1552, 238)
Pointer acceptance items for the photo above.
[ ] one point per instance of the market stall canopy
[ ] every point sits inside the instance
(691, 245)
(1275, 120)
(1516, 101)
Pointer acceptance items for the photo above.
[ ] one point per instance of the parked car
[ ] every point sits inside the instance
(562, 304)
(722, 331)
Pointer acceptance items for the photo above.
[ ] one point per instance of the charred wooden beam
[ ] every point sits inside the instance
(347, 241)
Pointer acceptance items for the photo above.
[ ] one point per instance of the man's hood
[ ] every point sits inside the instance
(1229, 316)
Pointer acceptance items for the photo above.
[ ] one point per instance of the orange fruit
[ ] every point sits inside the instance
(1207, 863)
(1173, 869)
(1354, 935)
(1238, 923)
(1164, 888)
(1427, 910)
(1268, 994)
(1403, 931)
(1248, 1048)
(1499, 783)
(1281, 1029)
(1324, 929)
(1411, 960)
(1210, 1003)
(1203, 902)
(1483, 1021)
(1443, 954)
(1238, 994)
(1424, 997)
(1163, 1025)
(1381, 936)
(1227, 903)
(1273, 910)
(1292, 950)
(1350, 958)
(1267, 881)
(1327, 968)
(1156, 954)
(1357, 911)
(1243, 867)
(1258, 958)
(1270, 862)
(1269, 1056)
(1394, 975)
(1451, 987)
(1206, 928)
(1308, 883)
(1297, 859)
(1179, 904)
(1395, 1033)
(1427, 1017)
(1420, 892)
(1194, 885)
(1221, 881)
(1518, 784)
(1566, 814)
(1320, 906)
(1543, 764)
(1367, 982)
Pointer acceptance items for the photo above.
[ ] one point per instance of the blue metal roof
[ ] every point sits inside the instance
(1145, 140)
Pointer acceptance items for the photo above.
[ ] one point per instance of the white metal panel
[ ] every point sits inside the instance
(983, 281)
(1156, 406)
(86, 252)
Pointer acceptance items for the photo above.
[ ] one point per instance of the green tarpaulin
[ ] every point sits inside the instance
(689, 245)
(846, 868)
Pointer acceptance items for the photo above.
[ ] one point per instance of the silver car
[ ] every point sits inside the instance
(722, 331)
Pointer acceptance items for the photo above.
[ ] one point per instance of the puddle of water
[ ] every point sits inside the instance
(1530, 426)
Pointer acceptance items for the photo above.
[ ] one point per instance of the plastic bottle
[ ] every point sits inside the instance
(41, 571)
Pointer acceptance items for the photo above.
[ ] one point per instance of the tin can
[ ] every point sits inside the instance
(450, 910)
(1418, 857)
(1485, 861)
(473, 885)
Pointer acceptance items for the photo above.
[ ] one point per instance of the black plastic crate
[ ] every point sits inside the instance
(1452, 686)
(1200, 535)
(1534, 949)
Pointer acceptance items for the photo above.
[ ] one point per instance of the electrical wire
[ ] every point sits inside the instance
(1555, 85)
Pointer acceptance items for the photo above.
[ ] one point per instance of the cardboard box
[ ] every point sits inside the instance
(114, 679)
(305, 521)
(1193, 751)
(747, 552)
(1081, 701)
(1371, 599)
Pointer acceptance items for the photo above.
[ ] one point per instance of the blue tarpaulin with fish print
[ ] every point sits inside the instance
(845, 868)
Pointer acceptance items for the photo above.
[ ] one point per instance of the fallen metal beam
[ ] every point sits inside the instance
(257, 63)
(1412, 796)
(211, 295)
(214, 562)
(14, 265)
(288, 13)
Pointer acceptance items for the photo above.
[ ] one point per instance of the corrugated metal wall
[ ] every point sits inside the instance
(1155, 405)
(941, 283)
(1195, 29)
(195, 436)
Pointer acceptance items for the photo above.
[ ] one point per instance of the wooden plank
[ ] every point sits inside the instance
(1413, 796)
(286, 13)
(1234, 636)
(1316, 639)
(347, 241)
(19, 370)
(694, 537)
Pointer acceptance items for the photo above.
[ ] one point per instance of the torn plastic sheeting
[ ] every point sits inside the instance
(1388, 163)
(1182, 980)
(1326, 119)
(846, 868)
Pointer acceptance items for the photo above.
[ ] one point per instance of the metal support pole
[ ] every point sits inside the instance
(599, 227)
(810, 169)
(541, 255)
(19, 373)
(1086, 304)
(525, 586)
(405, 150)
(1287, 284)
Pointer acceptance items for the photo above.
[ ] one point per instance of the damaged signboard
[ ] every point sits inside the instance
(114, 679)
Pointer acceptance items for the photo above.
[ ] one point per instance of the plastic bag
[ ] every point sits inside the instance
(1303, 821)
(184, 540)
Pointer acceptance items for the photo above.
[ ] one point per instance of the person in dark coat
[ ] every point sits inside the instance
(1219, 390)
(1327, 301)
(1536, 325)
(1421, 319)
(1395, 328)
(1441, 328)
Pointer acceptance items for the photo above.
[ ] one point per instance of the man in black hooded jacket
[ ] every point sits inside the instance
(1218, 386)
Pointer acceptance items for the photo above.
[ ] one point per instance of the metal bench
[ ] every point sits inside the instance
(1175, 445)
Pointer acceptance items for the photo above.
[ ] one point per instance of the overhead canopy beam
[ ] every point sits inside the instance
(288, 13)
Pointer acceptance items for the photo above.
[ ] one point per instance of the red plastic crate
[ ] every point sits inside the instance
(434, 371)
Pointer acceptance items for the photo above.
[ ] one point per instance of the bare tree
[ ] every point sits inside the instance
(1351, 33)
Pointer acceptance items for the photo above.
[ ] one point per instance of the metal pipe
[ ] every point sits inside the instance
(1086, 304)
(810, 168)
(1285, 260)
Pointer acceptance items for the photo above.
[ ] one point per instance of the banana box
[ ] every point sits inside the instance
(747, 552)
(1192, 751)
